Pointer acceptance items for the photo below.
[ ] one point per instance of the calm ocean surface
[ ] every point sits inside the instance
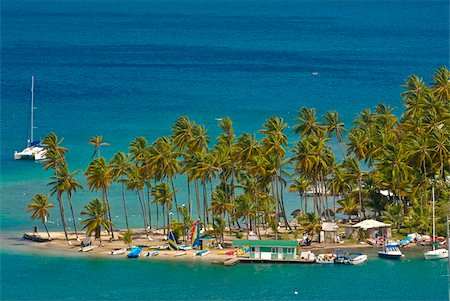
(123, 69)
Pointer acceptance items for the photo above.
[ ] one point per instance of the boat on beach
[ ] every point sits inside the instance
(35, 150)
(135, 252)
(36, 238)
(201, 253)
(152, 253)
(118, 251)
(87, 248)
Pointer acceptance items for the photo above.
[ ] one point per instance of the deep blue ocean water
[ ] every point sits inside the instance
(123, 69)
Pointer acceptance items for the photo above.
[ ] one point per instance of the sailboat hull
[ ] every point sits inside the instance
(436, 254)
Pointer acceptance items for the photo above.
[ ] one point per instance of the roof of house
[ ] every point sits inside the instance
(330, 227)
(265, 243)
(370, 223)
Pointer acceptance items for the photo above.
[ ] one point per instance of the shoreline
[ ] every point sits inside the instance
(59, 245)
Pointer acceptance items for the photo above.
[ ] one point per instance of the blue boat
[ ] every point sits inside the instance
(391, 252)
(135, 252)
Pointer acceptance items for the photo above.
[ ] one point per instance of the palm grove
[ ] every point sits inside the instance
(240, 182)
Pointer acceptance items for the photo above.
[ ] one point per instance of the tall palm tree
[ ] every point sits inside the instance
(97, 142)
(441, 85)
(334, 126)
(307, 122)
(301, 185)
(121, 166)
(135, 181)
(163, 195)
(40, 207)
(100, 176)
(69, 185)
(96, 213)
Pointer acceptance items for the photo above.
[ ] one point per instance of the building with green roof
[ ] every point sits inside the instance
(269, 249)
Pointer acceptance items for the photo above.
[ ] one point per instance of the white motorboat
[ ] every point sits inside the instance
(325, 258)
(201, 253)
(360, 258)
(435, 253)
(34, 150)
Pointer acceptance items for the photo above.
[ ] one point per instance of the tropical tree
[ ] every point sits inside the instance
(97, 142)
(99, 176)
(121, 166)
(349, 206)
(394, 214)
(40, 207)
(310, 223)
(96, 212)
(164, 196)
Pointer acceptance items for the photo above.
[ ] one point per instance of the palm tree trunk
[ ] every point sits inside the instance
(46, 229)
(124, 204)
(73, 216)
(149, 209)
(144, 214)
(175, 198)
(189, 198)
(205, 203)
(63, 218)
(109, 215)
(197, 196)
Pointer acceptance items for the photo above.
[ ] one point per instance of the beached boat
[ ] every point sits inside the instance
(135, 252)
(391, 252)
(34, 150)
(325, 258)
(87, 248)
(185, 247)
(435, 253)
(118, 251)
(201, 253)
(36, 238)
(152, 253)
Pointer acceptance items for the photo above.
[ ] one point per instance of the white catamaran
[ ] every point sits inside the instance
(34, 150)
(435, 253)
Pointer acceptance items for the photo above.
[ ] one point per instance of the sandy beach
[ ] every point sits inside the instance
(58, 243)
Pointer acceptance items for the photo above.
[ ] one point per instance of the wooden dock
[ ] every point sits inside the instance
(236, 260)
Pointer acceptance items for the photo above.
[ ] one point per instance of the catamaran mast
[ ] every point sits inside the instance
(32, 110)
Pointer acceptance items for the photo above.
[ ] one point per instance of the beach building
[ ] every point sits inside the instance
(372, 227)
(269, 249)
(206, 241)
(329, 232)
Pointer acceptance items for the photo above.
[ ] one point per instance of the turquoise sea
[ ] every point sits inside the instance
(123, 69)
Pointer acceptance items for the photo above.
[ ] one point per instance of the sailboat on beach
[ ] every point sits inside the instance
(435, 253)
(34, 150)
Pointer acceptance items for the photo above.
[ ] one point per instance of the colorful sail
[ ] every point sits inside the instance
(195, 234)
(172, 242)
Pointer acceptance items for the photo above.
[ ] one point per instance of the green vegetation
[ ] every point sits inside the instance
(40, 207)
(240, 181)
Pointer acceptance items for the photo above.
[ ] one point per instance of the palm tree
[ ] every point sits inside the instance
(121, 166)
(135, 181)
(310, 223)
(394, 214)
(97, 142)
(349, 206)
(301, 185)
(96, 213)
(164, 196)
(334, 126)
(39, 207)
(441, 85)
(69, 185)
(100, 176)
(307, 122)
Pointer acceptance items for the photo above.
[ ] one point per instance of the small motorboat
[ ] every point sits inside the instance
(391, 252)
(356, 258)
(185, 247)
(118, 251)
(153, 253)
(307, 257)
(325, 258)
(201, 253)
(135, 252)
